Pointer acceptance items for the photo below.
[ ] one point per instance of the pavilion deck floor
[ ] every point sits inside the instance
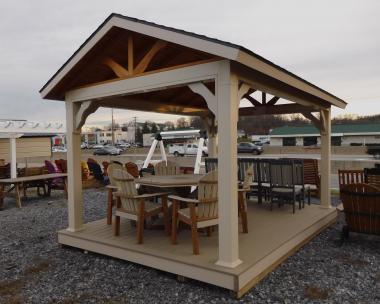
(273, 236)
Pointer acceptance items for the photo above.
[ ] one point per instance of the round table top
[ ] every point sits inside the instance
(180, 180)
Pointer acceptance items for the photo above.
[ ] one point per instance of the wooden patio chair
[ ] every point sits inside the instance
(55, 184)
(201, 212)
(242, 196)
(61, 165)
(111, 189)
(283, 186)
(31, 171)
(211, 164)
(347, 177)
(361, 203)
(166, 168)
(137, 207)
(311, 176)
(255, 187)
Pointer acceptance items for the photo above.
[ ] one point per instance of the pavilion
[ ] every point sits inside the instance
(138, 65)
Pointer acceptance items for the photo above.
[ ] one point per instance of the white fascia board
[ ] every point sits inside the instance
(305, 135)
(146, 83)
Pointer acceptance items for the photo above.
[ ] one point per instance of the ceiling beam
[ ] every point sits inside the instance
(316, 121)
(253, 101)
(130, 55)
(275, 110)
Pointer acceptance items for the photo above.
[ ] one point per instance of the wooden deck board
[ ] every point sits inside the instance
(272, 236)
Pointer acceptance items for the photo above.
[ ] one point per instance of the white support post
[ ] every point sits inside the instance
(163, 153)
(150, 153)
(13, 154)
(325, 158)
(74, 178)
(227, 116)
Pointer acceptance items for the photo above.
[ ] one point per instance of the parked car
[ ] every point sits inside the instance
(248, 147)
(97, 146)
(186, 149)
(123, 146)
(109, 150)
(84, 145)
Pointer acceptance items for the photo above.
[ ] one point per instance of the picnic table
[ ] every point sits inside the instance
(18, 182)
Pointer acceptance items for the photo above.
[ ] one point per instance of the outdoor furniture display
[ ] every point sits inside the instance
(97, 172)
(211, 164)
(361, 204)
(372, 176)
(201, 212)
(166, 168)
(137, 207)
(84, 170)
(283, 186)
(38, 184)
(311, 176)
(347, 177)
(18, 183)
(112, 187)
(105, 165)
(132, 169)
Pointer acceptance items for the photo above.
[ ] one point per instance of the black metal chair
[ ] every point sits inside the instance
(283, 186)
(211, 164)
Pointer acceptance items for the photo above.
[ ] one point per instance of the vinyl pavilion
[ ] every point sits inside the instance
(133, 64)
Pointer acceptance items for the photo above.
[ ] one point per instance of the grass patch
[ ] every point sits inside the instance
(316, 293)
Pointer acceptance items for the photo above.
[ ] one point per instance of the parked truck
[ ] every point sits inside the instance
(183, 149)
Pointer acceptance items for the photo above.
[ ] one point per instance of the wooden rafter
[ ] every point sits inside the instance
(118, 69)
(273, 100)
(143, 64)
(316, 121)
(253, 101)
(277, 109)
(263, 98)
(130, 55)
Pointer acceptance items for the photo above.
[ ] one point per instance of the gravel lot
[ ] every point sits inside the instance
(33, 269)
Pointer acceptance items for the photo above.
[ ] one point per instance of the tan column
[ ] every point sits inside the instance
(227, 116)
(325, 158)
(74, 178)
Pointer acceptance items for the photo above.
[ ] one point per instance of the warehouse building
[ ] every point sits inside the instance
(341, 135)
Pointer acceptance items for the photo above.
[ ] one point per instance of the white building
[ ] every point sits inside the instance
(341, 135)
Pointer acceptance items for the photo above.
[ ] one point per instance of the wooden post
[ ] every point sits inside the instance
(227, 116)
(74, 178)
(325, 157)
(13, 154)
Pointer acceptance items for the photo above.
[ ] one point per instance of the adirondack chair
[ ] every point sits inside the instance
(347, 177)
(361, 203)
(111, 189)
(132, 169)
(311, 176)
(137, 207)
(166, 168)
(105, 165)
(57, 183)
(201, 212)
(31, 171)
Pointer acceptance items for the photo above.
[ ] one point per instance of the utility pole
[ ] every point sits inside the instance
(112, 127)
(135, 118)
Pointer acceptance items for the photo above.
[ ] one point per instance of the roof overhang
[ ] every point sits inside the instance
(221, 49)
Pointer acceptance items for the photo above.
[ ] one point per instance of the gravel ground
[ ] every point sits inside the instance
(33, 269)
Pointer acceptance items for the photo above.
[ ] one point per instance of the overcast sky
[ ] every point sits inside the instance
(333, 44)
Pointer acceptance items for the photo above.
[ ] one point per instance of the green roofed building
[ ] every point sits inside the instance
(342, 135)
